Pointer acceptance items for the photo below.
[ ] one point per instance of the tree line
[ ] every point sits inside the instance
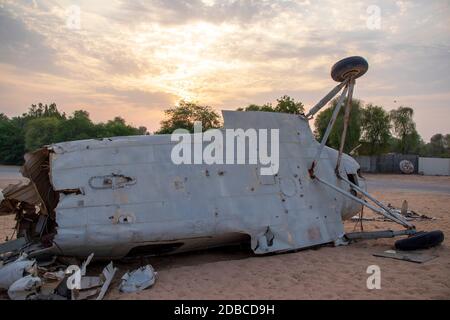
(45, 124)
(372, 130)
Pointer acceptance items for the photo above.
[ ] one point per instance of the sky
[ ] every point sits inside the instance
(135, 59)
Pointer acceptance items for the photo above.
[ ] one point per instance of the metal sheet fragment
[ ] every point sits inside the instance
(138, 279)
(417, 257)
(13, 271)
(57, 275)
(90, 282)
(24, 287)
(12, 245)
(108, 274)
(86, 263)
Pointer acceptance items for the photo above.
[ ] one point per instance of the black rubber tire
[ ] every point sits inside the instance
(421, 240)
(352, 66)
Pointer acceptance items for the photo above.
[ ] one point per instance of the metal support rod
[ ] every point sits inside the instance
(325, 99)
(364, 203)
(380, 204)
(348, 109)
(379, 234)
(328, 131)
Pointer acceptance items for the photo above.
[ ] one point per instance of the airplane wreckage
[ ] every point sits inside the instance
(123, 196)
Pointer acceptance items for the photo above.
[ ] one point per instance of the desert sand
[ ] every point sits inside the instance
(326, 272)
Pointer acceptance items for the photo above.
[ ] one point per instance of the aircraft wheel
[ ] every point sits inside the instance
(351, 66)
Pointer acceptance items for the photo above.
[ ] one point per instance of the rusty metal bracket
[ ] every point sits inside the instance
(379, 234)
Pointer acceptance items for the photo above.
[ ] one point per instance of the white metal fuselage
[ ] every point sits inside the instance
(151, 204)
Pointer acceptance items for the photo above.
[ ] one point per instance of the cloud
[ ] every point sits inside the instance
(23, 47)
(177, 12)
(143, 56)
(139, 98)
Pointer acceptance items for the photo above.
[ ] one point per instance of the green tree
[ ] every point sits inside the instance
(437, 147)
(12, 144)
(353, 130)
(184, 116)
(254, 107)
(288, 105)
(43, 110)
(116, 128)
(404, 129)
(42, 131)
(447, 143)
(285, 104)
(437, 144)
(77, 127)
(375, 126)
(45, 124)
(142, 131)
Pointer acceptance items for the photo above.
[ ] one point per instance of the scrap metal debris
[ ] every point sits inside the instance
(16, 270)
(24, 279)
(58, 275)
(50, 283)
(24, 287)
(86, 263)
(138, 280)
(108, 274)
(409, 215)
(12, 245)
(89, 286)
(417, 257)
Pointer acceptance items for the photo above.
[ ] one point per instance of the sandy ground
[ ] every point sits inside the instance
(10, 175)
(322, 273)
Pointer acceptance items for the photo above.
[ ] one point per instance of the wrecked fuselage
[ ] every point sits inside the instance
(124, 196)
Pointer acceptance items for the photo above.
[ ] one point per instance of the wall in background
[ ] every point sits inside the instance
(386, 163)
(434, 166)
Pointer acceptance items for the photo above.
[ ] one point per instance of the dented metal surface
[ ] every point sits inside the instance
(24, 288)
(138, 279)
(16, 270)
(123, 195)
